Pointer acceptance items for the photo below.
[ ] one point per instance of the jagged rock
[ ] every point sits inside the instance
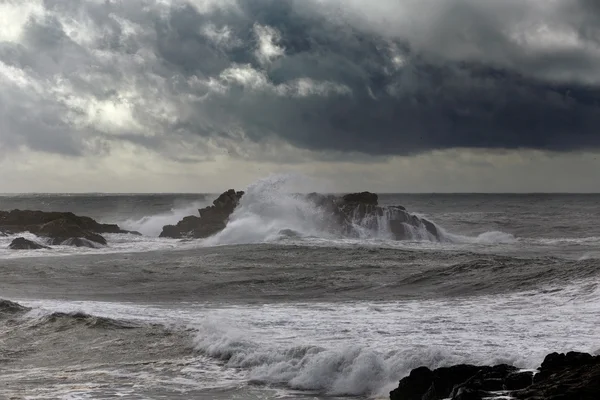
(212, 219)
(461, 381)
(571, 376)
(21, 243)
(349, 215)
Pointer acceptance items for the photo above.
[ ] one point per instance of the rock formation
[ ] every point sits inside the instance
(212, 219)
(571, 376)
(59, 227)
(349, 215)
(21, 243)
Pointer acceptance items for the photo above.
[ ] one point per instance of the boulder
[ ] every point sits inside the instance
(21, 243)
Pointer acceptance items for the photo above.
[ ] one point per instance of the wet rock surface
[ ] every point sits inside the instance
(568, 376)
(21, 243)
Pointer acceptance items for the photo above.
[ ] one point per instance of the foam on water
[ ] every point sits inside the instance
(363, 348)
(152, 225)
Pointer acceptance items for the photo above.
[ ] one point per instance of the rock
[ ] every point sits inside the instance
(21, 243)
(362, 198)
(65, 232)
(212, 219)
(566, 377)
(414, 386)
(350, 215)
(80, 242)
(60, 227)
(571, 376)
(518, 380)
(458, 382)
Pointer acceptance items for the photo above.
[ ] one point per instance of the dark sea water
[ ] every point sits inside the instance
(255, 314)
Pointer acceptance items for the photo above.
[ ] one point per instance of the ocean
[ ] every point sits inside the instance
(253, 313)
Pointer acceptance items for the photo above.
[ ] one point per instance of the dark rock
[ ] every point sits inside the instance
(362, 198)
(461, 381)
(59, 227)
(518, 380)
(566, 377)
(466, 393)
(21, 243)
(571, 376)
(79, 242)
(66, 232)
(349, 216)
(212, 219)
(414, 386)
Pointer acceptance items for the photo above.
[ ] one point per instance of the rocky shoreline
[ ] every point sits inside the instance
(570, 376)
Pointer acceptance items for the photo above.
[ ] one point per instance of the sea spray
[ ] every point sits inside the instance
(152, 225)
(272, 208)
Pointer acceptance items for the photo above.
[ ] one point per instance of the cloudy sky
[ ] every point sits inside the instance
(382, 95)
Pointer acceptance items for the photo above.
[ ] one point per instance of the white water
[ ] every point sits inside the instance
(152, 225)
(270, 212)
(365, 347)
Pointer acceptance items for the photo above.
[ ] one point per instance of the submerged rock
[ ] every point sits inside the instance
(21, 243)
(568, 376)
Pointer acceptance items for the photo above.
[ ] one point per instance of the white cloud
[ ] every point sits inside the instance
(14, 15)
(268, 48)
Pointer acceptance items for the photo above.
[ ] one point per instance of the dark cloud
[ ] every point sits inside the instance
(337, 77)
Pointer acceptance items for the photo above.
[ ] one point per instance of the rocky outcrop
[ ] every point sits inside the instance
(356, 211)
(61, 228)
(212, 219)
(21, 243)
(568, 376)
(349, 215)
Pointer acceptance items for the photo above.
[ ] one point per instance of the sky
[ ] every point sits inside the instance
(387, 95)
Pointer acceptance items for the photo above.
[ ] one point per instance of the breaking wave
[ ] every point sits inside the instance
(353, 370)
(271, 209)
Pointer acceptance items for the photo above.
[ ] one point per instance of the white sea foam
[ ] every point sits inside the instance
(363, 348)
(152, 225)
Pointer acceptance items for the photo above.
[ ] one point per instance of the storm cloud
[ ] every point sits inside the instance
(191, 79)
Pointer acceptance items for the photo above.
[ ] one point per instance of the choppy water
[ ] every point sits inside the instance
(253, 314)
